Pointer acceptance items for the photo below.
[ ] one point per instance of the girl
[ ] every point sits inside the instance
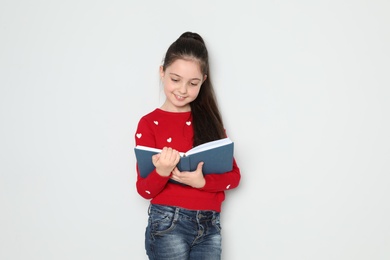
(184, 220)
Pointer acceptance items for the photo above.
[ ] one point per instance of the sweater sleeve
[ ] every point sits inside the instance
(153, 184)
(224, 181)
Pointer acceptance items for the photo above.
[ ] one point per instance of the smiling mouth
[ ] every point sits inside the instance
(179, 97)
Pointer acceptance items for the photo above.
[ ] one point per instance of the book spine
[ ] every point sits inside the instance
(184, 164)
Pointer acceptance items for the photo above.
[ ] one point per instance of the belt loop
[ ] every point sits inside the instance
(176, 217)
(150, 205)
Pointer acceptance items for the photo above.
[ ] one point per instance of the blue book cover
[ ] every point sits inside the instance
(216, 155)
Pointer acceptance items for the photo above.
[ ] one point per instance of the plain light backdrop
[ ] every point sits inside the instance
(304, 91)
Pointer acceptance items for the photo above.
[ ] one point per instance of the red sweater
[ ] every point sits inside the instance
(161, 128)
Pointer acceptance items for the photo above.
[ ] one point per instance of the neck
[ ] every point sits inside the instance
(170, 108)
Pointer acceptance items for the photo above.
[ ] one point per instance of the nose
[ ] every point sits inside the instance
(183, 88)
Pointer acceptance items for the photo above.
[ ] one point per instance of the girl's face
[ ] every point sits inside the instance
(182, 81)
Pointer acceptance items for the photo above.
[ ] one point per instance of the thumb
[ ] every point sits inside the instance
(155, 158)
(200, 166)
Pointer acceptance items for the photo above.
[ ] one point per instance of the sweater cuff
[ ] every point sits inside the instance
(156, 178)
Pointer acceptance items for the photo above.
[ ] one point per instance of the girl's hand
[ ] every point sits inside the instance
(166, 161)
(194, 179)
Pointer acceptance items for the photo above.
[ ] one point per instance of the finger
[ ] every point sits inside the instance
(164, 153)
(155, 158)
(177, 175)
(175, 171)
(176, 178)
(177, 157)
(200, 166)
(171, 156)
(169, 153)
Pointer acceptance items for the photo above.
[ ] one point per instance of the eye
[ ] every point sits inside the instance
(194, 84)
(175, 80)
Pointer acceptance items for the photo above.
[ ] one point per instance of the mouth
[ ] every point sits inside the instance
(178, 97)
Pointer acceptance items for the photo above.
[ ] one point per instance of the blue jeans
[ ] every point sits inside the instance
(178, 234)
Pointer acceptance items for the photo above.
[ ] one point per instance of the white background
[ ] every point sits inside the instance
(304, 91)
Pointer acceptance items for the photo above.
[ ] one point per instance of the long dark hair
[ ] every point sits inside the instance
(206, 118)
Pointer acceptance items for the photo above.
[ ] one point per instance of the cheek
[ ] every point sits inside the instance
(195, 91)
(167, 86)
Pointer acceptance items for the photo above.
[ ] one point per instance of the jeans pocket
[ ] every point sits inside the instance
(161, 222)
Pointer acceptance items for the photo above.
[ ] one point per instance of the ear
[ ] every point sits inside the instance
(162, 72)
(204, 78)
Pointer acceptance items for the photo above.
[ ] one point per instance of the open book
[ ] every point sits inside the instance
(216, 155)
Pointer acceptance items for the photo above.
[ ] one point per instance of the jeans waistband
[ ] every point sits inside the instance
(196, 214)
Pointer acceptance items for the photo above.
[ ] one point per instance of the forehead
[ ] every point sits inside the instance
(185, 68)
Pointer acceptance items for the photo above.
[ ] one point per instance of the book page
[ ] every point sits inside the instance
(155, 150)
(209, 146)
(146, 148)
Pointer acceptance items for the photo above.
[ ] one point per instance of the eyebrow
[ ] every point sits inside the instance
(181, 76)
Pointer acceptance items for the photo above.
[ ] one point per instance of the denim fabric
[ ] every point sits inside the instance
(178, 234)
